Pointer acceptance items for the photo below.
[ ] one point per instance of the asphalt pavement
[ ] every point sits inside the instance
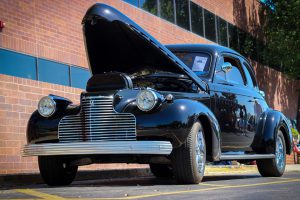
(226, 184)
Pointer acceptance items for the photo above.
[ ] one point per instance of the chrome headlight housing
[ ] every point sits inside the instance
(146, 100)
(47, 106)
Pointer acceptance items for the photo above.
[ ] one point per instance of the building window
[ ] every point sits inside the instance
(166, 10)
(133, 2)
(53, 72)
(149, 5)
(79, 77)
(210, 25)
(197, 19)
(233, 37)
(222, 32)
(182, 14)
(16, 64)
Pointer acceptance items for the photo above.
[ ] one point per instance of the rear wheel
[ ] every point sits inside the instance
(161, 170)
(55, 172)
(189, 159)
(275, 166)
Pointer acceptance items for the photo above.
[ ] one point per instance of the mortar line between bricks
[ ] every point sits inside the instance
(42, 195)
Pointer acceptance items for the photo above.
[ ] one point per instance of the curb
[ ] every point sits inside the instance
(25, 179)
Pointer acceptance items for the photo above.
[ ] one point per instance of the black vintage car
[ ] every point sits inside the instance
(174, 107)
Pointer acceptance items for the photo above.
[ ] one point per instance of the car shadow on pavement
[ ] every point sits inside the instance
(123, 182)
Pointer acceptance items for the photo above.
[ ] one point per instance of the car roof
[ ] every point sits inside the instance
(212, 48)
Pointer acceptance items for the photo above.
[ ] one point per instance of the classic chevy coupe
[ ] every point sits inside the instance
(174, 107)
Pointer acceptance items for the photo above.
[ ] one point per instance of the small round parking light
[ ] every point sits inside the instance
(46, 106)
(146, 100)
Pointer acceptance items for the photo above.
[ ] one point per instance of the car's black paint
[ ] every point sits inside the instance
(269, 123)
(235, 118)
(41, 129)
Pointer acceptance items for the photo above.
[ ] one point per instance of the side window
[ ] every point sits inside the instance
(219, 74)
(250, 81)
(235, 75)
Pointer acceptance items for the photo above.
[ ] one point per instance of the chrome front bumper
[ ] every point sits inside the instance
(107, 147)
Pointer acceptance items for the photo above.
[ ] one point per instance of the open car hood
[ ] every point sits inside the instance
(114, 43)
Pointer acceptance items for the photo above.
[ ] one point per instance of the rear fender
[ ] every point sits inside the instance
(266, 134)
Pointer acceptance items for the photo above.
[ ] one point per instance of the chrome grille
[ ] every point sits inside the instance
(97, 121)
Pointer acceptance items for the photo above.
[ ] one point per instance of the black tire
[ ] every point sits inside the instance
(54, 172)
(161, 170)
(269, 167)
(184, 161)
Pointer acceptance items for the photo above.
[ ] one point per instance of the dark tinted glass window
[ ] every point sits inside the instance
(242, 41)
(222, 31)
(16, 64)
(53, 72)
(247, 44)
(149, 5)
(182, 14)
(260, 50)
(197, 62)
(133, 2)
(197, 19)
(79, 77)
(166, 8)
(210, 28)
(233, 37)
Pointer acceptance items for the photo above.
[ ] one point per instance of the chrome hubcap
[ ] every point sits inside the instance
(200, 152)
(279, 153)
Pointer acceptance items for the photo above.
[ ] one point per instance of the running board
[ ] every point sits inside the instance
(246, 156)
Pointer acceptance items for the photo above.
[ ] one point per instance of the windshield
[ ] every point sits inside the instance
(199, 63)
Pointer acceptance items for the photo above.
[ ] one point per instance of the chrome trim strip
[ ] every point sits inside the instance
(246, 156)
(107, 147)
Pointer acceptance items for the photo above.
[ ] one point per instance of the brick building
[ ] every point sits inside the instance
(42, 52)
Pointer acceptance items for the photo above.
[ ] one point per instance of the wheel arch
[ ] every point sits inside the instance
(212, 136)
(268, 125)
(285, 129)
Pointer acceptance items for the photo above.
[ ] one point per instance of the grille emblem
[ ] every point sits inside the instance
(92, 102)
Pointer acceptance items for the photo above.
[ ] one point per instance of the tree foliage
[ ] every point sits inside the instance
(281, 27)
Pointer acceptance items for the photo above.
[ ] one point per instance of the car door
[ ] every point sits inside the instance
(259, 102)
(233, 105)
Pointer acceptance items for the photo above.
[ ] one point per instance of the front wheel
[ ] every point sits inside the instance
(55, 172)
(189, 159)
(274, 167)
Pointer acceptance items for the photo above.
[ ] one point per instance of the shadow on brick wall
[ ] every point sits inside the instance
(281, 92)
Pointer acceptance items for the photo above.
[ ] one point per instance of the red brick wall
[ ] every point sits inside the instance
(52, 29)
(18, 99)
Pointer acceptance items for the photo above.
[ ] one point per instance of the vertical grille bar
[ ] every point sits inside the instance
(97, 121)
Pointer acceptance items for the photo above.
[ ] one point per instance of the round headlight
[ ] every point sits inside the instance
(146, 100)
(46, 106)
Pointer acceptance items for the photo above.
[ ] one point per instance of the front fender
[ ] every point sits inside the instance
(41, 129)
(266, 134)
(175, 120)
